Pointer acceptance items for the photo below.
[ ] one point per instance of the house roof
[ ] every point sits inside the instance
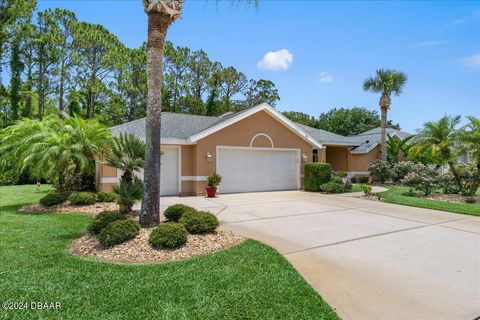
(178, 128)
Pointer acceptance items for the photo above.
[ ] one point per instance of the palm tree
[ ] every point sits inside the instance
(439, 138)
(127, 154)
(161, 14)
(469, 136)
(397, 149)
(386, 82)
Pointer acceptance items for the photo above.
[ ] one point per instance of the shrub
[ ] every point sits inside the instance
(53, 199)
(332, 187)
(367, 190)
(363, 179)
(82, 198)
(353, 179)
(175, 212)
(106, 196)
(341, 173)
(199, 221)
(316, 174)
(423, 179)
(214, 180)
(168, 235)
(127, 193)
(118, 232)
(470, 200)
(380, 169)
(104, 219)
(401, 169)
(446, 183)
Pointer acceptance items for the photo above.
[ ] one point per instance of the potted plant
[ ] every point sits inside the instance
(213, 182)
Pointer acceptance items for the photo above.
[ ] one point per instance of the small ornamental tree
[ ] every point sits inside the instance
(423, 179)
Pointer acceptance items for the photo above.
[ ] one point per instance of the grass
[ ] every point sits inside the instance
(248, 281)
(397, 195)
(356, 188)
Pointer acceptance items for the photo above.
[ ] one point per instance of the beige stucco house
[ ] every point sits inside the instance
(257, 149)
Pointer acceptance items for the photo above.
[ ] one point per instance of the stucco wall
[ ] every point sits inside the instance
(359, 162)
(337, 157)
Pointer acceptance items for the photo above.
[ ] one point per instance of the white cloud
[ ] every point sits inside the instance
(473, 16)
(276, 60)
(324, 77)
(432, 43)
(472, 62)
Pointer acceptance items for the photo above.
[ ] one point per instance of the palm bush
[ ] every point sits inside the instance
(128, 192)
(127, 155)
(60, 149)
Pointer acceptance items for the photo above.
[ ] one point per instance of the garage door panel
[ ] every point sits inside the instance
(254, 169)
(169, 170)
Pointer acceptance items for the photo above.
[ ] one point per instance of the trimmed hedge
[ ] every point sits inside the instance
(332, 187)
(175, 212)
(118, 232)
(106, 196)
(316, 174)
(168, 235)
(82, 198)
(363, 179)
(104, 219)
(199, 221)
(53, 199)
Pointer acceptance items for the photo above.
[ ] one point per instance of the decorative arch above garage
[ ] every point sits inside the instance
(262, 140)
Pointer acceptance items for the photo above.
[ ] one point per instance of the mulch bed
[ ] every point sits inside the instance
(93, 209)
(138, 250)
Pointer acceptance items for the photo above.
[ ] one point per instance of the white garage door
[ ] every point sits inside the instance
(169, 171)
(255, 169)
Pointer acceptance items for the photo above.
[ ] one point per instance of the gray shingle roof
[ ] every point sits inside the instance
(174, 125)
(183, 126)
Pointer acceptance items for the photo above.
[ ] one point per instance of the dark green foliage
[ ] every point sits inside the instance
(175, 212)
(127, 193)
(106, 196)
(53, 199)
(471, 200)
(332, 187)
(118, 232)
(168, 235)
(316, 174)
(214, 180)
(82, 198)
(16, 68)
(104, 219)
(199, 221)
(353, 179)
(363, 179)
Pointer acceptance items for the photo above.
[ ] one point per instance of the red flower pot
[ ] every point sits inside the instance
(211, 191)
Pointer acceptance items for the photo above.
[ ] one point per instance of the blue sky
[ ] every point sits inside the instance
(332, 47)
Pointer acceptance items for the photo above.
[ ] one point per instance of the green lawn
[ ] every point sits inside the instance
(356, 188)
(248, 281)
(395, 195)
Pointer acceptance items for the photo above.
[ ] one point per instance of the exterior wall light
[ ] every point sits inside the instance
(304, 157)
(209, 156)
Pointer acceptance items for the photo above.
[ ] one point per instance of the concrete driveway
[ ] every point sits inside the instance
(368, 260)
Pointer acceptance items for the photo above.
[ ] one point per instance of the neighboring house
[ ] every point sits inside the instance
(257, 149)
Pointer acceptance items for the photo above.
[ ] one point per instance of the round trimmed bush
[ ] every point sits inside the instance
(104, 219)
(353, 179)
(316, 174)
(175, 212)
(168, 235)
(363, 179)
(52, 199)
(470, 200)
(106, 196)
(82, 198)
(199, 221)
(118, 232)
(333, 187)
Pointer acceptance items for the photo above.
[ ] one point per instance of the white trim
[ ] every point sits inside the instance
(168, 141)
(193, 178)
(298, 161)
(261, 107)
(261, 135)
(109, 179)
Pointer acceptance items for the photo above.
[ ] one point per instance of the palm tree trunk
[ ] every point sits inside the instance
(157, 30)
(383, 132)
(476, 180)
(458, 181)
